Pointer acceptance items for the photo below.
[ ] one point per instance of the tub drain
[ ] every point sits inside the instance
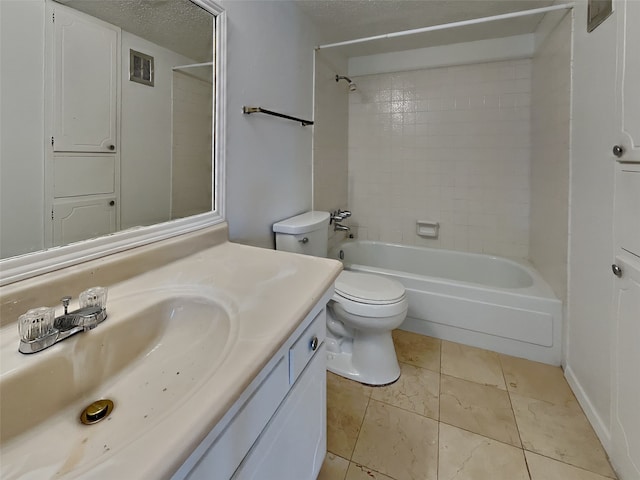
(98, 410)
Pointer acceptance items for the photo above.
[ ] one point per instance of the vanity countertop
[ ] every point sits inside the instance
(266, 293)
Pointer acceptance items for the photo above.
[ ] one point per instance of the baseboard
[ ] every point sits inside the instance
(599, 426)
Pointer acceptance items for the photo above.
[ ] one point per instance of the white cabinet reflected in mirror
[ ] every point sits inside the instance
(86, 151)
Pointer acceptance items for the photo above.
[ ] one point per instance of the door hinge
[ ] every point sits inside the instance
(52, 141)
(51, 213)
(53, 17)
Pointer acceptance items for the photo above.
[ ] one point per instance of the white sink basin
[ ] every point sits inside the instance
(152, 354)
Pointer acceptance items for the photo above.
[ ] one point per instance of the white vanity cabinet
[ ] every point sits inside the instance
(277, 428)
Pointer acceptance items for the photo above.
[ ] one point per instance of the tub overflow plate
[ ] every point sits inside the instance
(98, 410)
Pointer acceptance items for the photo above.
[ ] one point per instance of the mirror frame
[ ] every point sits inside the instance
(21, 267)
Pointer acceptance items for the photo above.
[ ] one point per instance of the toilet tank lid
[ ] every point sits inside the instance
(304, 223)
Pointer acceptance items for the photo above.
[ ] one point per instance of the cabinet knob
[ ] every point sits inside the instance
(304, 240)
(314, 344)
(112, 203)
(112, 147)
(618, 150)
(617, 271)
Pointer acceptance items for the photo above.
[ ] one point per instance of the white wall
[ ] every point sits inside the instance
(191, 170)
(22, 126)
(268, 165)
(330, 137)
(550, 132)
(145, 145)
(450, 145)
(589, 322)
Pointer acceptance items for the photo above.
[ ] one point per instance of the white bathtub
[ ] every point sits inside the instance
(480, 300)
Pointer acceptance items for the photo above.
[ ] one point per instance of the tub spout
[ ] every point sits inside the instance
(342, 228)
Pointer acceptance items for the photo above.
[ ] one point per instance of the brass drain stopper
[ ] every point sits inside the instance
(98, 410)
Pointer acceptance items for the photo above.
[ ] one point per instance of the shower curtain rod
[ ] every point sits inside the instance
(433, 28)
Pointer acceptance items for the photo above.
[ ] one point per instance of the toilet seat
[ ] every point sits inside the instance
(368, 289)
(371, 296)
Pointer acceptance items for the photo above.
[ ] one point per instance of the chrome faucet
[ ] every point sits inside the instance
(39, 328)
(339, 215)
(338, 227)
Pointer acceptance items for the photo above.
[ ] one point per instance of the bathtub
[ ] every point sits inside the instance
(480, 300)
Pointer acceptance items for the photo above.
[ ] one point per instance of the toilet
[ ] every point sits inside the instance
(364, 309)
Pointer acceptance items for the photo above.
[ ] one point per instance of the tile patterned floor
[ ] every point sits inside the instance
(462, 413)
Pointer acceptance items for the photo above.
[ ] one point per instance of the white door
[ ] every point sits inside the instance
(81, 218)
(625, 429)
(86, 64)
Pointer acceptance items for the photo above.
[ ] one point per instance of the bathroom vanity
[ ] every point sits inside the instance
(212, 353)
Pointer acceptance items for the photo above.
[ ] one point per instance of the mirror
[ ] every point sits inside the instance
(107, 118)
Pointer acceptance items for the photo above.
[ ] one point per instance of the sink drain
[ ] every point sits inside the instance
(98, 410)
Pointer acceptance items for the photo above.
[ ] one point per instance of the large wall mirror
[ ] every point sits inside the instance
(112, 126)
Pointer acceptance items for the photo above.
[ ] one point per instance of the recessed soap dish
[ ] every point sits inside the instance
(427, 228)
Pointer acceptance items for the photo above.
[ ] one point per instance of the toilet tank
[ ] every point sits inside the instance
(306, 233)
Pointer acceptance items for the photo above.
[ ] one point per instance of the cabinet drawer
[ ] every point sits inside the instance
(84, 175)
(307, 345)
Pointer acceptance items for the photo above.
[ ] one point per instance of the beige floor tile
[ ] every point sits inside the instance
(467, 456)
(478, 408)
(471, 363)
(346, 406)
(544, 468)
(401, 444)
(417, 350)
(360, 472)
(559, 432)
(417, 390)
(333, 468)
(537, 380)
(338, 383)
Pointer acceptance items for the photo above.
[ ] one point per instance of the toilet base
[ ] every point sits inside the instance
(369, 358)
(340, 364)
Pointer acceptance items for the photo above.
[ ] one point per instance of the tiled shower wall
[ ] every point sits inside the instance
(450, 145)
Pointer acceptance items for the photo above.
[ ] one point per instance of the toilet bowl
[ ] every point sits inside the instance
(361, 314)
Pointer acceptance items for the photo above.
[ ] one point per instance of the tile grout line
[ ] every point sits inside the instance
(439, 413)
(515, 419)
(360, 429)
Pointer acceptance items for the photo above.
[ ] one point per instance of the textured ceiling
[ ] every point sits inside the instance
(340, 20)
(178, 25)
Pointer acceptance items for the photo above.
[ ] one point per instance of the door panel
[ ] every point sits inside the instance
(86, 59)
(80, 219)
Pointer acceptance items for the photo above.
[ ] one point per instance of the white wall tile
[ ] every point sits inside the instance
(454, 149)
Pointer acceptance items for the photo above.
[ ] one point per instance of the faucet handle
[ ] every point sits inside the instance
(65, 303)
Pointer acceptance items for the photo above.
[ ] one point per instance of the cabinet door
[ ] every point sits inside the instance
(626, 387)
(81, 218)
(86, 59)
(629, 79)
(294, 444)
